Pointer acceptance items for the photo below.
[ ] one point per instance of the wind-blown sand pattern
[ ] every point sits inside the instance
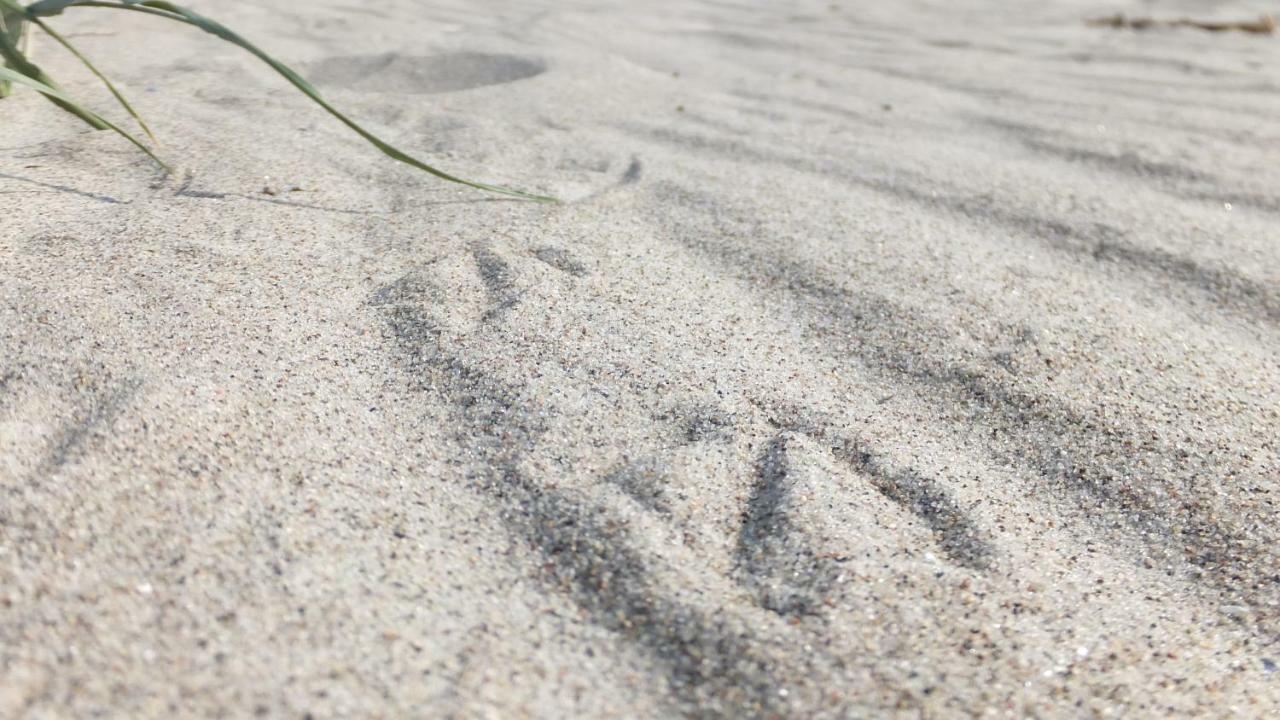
(912, 359)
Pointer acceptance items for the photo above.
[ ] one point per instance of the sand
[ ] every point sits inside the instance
(907, 359)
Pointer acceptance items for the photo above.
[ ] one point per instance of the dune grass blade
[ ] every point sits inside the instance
(12, 25)
(110, 86)
(16, 61)
(171, 11)
(10, 75)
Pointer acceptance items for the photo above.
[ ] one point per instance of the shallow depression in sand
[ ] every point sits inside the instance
(394, 72)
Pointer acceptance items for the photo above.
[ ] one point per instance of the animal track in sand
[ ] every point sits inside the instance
(560, 259)
(777, 551)
(92, 400)
(425, 75)
(587, 552)
(1133, 481)
(955, 531)
(498, 281)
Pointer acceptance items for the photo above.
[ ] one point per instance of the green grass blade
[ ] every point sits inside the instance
(16, 61)
(52, 93)
(45, 8)
(110, 86)
(171, 11)
(12, 27)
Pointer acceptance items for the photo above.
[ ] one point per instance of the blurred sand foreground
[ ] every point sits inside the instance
(910, 358)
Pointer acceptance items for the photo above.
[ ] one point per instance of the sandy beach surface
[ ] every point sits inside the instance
(909, 359)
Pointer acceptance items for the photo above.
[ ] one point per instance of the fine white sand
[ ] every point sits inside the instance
(885, 358)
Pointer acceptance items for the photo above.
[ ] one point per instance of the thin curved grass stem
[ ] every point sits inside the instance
(55, 94)
(110, 86)
(16, 60)
(175, 12)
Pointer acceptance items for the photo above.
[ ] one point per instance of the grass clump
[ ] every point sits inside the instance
(17, 68)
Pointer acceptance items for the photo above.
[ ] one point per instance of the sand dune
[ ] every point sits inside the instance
(884, 359)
